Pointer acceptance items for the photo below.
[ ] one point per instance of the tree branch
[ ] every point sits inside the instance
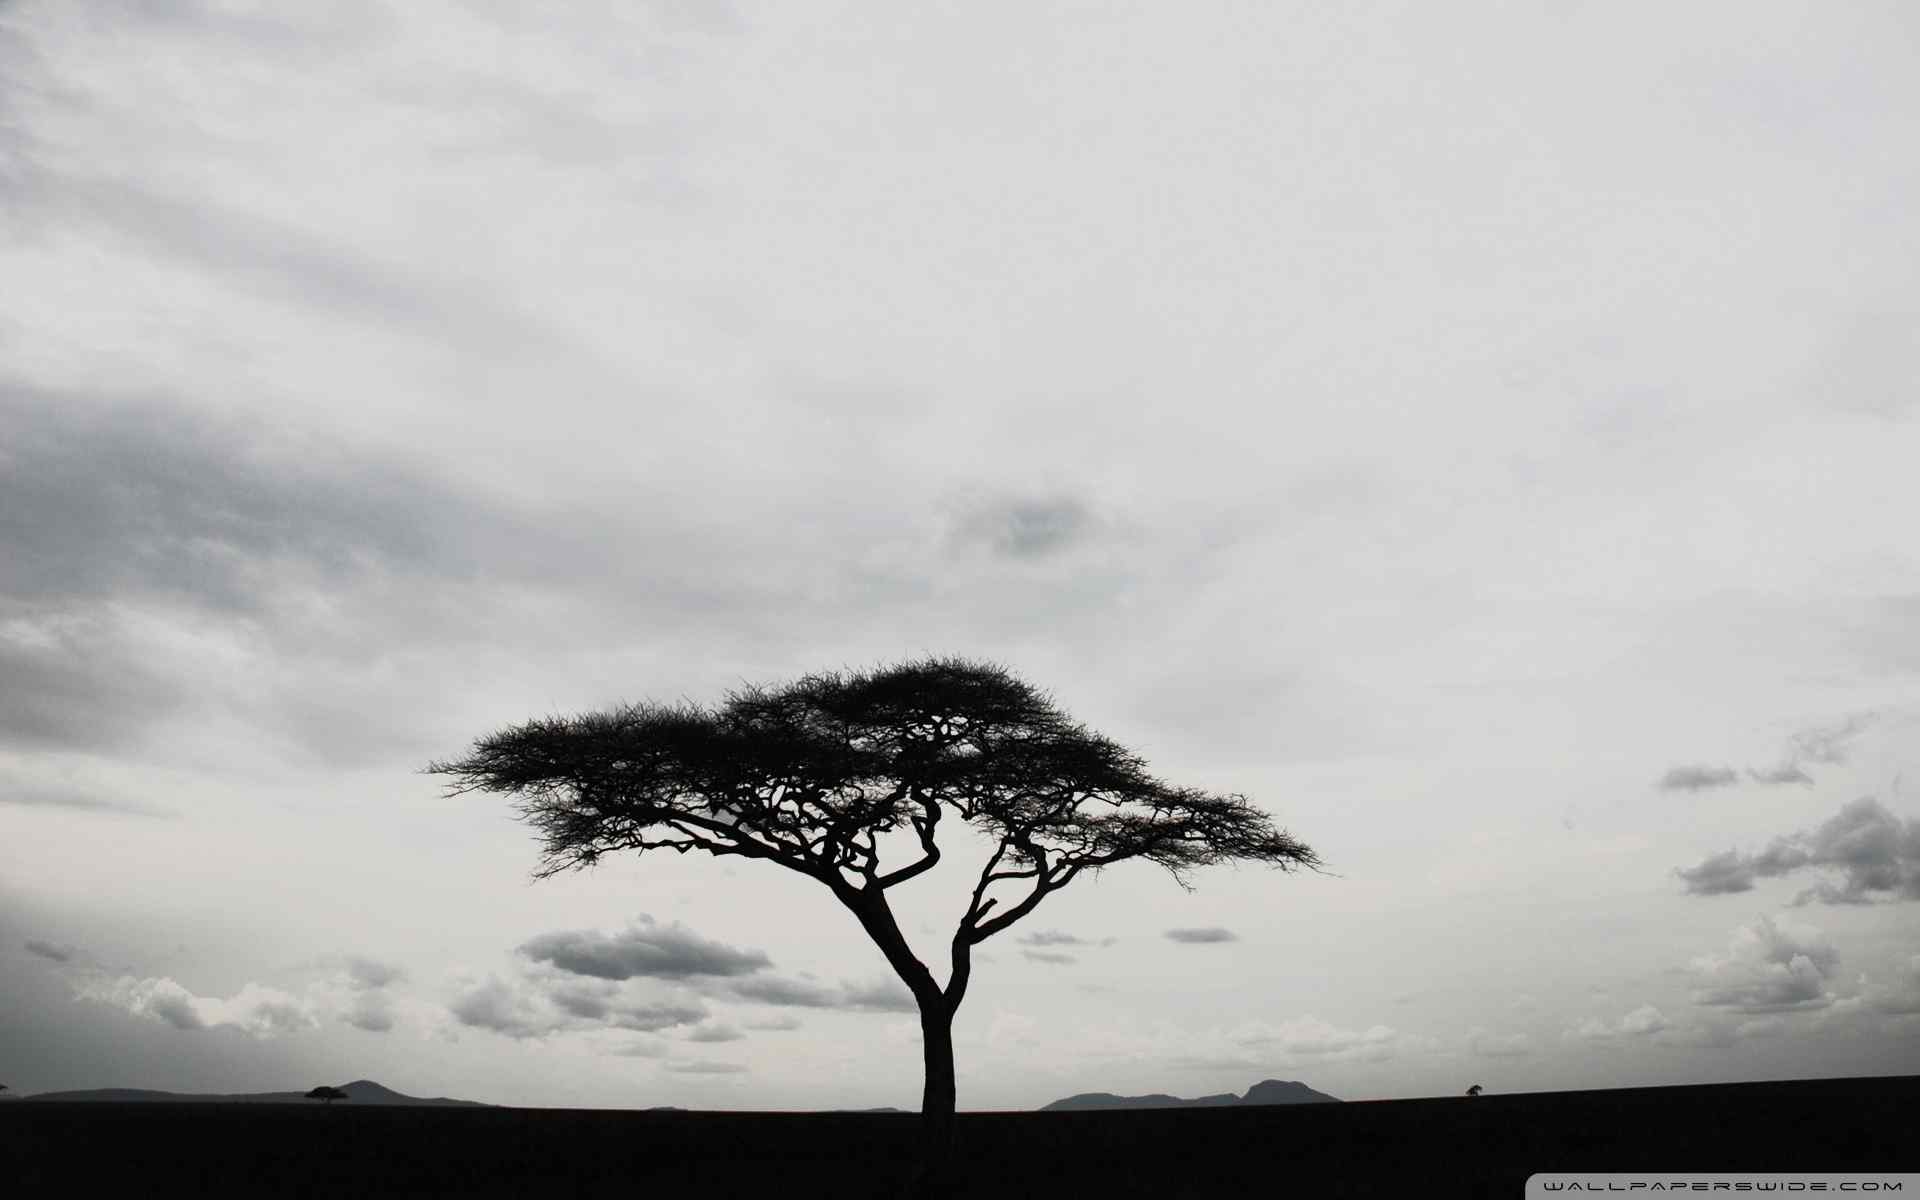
(1041, 886)
(930, 851)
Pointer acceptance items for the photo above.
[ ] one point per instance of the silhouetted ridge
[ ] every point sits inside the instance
(360, 1091)
(1267, 1091)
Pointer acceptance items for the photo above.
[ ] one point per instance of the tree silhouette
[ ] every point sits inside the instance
(327, 1094)
(809, 776)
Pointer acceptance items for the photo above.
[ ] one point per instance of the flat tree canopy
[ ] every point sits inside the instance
(811, 775)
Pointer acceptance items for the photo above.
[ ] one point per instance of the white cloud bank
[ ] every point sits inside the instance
(263, 1012)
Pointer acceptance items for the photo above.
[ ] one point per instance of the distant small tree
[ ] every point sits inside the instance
(1474, 1090)
(809, 775)
(326, 1095)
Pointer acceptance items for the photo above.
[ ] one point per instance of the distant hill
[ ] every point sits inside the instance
(1267, 1091)
(360, 1091)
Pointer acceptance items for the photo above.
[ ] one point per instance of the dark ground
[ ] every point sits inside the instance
(1486, 1145)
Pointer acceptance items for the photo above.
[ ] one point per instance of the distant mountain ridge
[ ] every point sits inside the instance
(360, 1091)
(1267, 1091)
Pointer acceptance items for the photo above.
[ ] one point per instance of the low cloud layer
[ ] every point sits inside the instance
(1874, 853)
(21, 789)
(879, 995)
(1049, 946)
(1768, 967)
(355, 994)
(1310, 1037)
(1644, 1021)
(579, 977)
(525, 1009)
(644, 950)
(707, 1067)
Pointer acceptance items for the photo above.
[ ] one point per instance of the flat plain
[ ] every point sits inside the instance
(1485, 1145)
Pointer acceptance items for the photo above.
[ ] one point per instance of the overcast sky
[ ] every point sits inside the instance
(1483, 434)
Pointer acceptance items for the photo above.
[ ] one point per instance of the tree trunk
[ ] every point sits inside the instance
(936, 1100)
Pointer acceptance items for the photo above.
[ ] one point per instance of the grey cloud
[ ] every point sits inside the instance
(536, 1007)
(1051, 937)
(525, 1010)
(499, 1008)
(1201, 937)
(367, 973)
(1779, 857)
(1831, 744)
(642, 950)
(651, 1018)
(124, 522)
(878, 996)
(1028, 529)
(121, 522)
(780, 1024)
(1876, 854)
(283, 261)
(1798, 987)
(1719, 875)
(1874, 850)
(589, 1004)
(1045, 956)
(76, 683)
(1768, 967)
(648, 1048)
(124, 499)
(176, 1010)
(1826, 745)
(49, 950)
(28, 792)
(793, 993)
(371, 1011)
(715, 1033)
(1697, 778)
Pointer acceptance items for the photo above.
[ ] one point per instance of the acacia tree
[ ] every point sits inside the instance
(809, 776)
(326, 1095)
